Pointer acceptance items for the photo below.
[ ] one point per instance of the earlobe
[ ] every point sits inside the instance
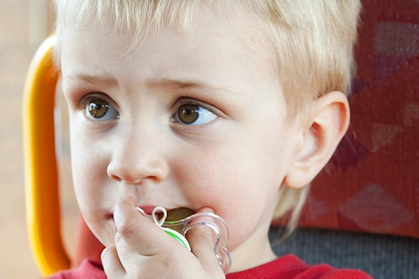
(327, 124)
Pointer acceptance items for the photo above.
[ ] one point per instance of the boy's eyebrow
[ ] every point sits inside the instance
(187, 84)
(95, 79)
(178, 84)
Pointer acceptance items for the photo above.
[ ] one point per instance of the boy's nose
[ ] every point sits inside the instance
(137, 162)
(153, 171)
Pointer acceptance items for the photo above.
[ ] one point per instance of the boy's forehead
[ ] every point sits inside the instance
(211, 46)
(209, 28)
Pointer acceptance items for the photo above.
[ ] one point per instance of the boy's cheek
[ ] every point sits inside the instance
(96, 214)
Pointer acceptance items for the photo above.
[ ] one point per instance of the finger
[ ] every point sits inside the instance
(202, 239)
(136, 232)
(140, 243)
(139, 238)
(111, 263)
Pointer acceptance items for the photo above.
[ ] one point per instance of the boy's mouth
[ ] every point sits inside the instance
(173, 215)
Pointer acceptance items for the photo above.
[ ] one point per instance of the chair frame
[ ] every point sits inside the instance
(43, 211)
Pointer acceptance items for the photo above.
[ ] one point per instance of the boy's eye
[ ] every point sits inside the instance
(191, 114)
(99, 109)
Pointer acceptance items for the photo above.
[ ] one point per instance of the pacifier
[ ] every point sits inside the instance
(178, 229)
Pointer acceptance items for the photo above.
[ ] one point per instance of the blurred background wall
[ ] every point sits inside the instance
(23, 26)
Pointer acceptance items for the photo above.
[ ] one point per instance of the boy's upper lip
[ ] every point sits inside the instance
(148, 209)
(173, 213)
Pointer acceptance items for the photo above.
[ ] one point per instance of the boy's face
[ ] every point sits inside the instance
(189, 119)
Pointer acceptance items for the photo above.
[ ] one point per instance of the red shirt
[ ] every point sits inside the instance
(287, 267)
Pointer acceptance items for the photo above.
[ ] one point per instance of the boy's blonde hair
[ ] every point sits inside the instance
(311, 40)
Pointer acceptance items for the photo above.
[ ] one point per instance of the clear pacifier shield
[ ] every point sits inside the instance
(178, 229)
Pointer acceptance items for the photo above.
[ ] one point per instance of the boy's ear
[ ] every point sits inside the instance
(326, 125)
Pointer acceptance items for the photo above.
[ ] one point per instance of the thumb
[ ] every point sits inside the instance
(202, 239)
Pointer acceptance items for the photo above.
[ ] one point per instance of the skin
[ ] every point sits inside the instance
(140, 153)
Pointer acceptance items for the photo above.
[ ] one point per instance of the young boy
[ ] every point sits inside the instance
(230, 107)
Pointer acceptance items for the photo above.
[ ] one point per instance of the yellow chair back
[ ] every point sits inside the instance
(41, 170)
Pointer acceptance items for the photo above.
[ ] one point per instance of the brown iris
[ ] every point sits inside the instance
(188, 113)
(98, 108)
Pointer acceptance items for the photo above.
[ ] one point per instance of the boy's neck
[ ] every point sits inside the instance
(254, 252)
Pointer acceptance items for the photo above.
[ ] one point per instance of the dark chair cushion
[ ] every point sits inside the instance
(381, 256)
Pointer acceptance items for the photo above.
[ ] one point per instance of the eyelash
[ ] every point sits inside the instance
(207, 111)
(90, 98)
(85, 99)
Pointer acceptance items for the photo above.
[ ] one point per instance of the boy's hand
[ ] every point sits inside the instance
(143, 250)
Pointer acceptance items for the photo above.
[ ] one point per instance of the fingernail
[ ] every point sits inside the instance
(206, 210)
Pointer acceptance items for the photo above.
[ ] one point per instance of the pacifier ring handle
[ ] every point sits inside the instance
(219, 227)
(159, 209)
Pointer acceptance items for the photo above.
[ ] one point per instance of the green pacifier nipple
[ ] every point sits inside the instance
(178, 237)
(174, 234)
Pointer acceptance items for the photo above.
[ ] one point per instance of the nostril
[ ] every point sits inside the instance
(116, 178)
(124, 178)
